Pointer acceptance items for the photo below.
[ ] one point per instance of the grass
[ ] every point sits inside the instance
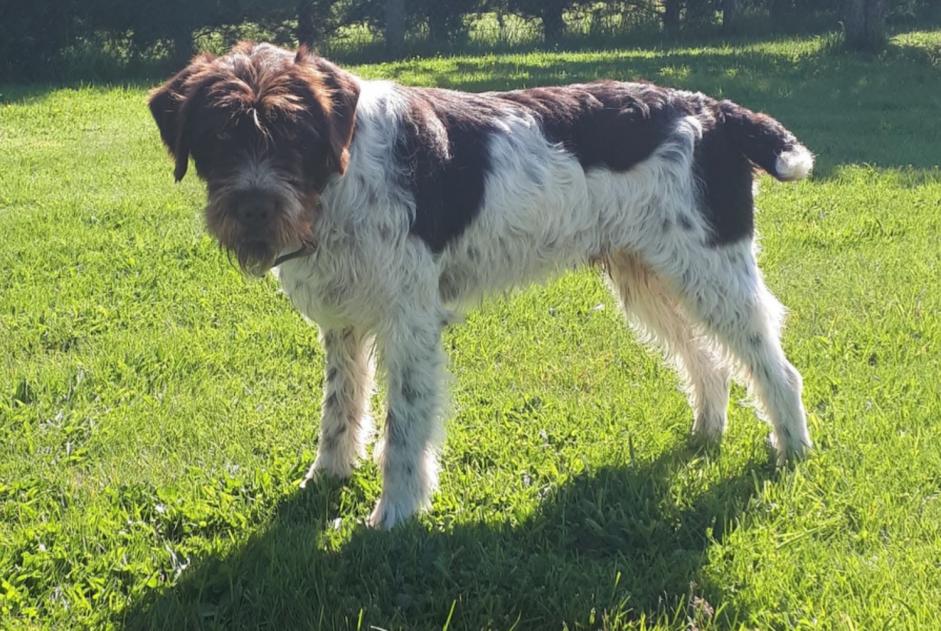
(157, 408)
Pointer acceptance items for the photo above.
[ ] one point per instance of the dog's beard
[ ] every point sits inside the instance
(257, 248)
(254, 257)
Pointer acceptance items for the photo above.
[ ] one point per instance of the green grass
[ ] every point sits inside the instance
(157, 409)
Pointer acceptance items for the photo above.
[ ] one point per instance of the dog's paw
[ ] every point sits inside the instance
(390, 512)
(704, 445)
(327, 465)
(789, 448)
(707, 432)
(313, 474)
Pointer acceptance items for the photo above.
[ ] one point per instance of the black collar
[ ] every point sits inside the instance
(305, 250)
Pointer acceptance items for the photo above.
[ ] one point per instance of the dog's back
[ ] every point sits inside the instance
(573, 172)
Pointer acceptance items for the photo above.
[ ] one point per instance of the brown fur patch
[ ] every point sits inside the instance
(304, 97)
(295, 112)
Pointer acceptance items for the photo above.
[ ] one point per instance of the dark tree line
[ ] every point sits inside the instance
(34, 34)
(865, 23)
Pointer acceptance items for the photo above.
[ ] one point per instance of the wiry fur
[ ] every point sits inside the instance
(346, 426)
(670, 221)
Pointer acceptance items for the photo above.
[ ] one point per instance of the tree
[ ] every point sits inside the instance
(671, 15)
(395, 25)
(33, 33)
(306, 28)
(700, 12)
(549, 12)
(150, 21)
(445, 20)
(729, 15)
(864, 23)
(316, 19)
(553, 24)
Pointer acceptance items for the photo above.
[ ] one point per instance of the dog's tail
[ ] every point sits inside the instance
(766, 142)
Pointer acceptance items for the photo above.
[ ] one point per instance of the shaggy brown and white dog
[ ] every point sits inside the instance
(383, 208)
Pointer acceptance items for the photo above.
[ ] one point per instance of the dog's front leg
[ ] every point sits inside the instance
(345, 425)
(408, 451)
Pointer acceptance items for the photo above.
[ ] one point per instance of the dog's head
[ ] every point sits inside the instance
(267, 129)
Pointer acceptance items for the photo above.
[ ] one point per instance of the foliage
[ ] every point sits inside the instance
(32, 33)
(157, 408)
(40, 37)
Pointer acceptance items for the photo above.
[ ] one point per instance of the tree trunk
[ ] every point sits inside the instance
(306, 32)
(854, 19)
(875, 22)
(700, 12)
(437, 29)
(729, 15)
(864, 23)
(183, 48)
(552, 21)
(444, 24)
(671, 15)
(395, 26)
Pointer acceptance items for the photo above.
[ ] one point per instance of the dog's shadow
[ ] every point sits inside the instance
(611, 540)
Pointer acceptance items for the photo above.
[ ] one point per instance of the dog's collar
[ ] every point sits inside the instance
(305, 250)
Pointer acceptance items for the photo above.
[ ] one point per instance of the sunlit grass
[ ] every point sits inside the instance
(157, 408)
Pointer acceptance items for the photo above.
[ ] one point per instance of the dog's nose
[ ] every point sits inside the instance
(254, 207)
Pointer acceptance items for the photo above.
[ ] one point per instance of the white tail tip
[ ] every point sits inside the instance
(794, 164)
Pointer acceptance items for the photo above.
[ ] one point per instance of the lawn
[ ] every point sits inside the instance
(157, 408)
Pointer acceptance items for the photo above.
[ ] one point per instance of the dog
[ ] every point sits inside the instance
(383, 210)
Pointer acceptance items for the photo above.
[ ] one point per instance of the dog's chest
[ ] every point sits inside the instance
(347, 280)
(323, 290)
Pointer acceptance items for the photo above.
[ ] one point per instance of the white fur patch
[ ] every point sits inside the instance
(795, 164)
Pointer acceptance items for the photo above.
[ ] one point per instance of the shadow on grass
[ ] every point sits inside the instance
(32, 93)
(614, 540)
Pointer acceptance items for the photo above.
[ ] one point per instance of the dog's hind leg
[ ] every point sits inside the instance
(656, 313)
(411, 355)
(722, 288)
(346, 425)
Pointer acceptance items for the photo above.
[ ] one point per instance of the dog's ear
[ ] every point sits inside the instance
(167, 107)
(338, 93)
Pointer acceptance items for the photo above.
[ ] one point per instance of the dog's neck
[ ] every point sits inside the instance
(372, 161)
